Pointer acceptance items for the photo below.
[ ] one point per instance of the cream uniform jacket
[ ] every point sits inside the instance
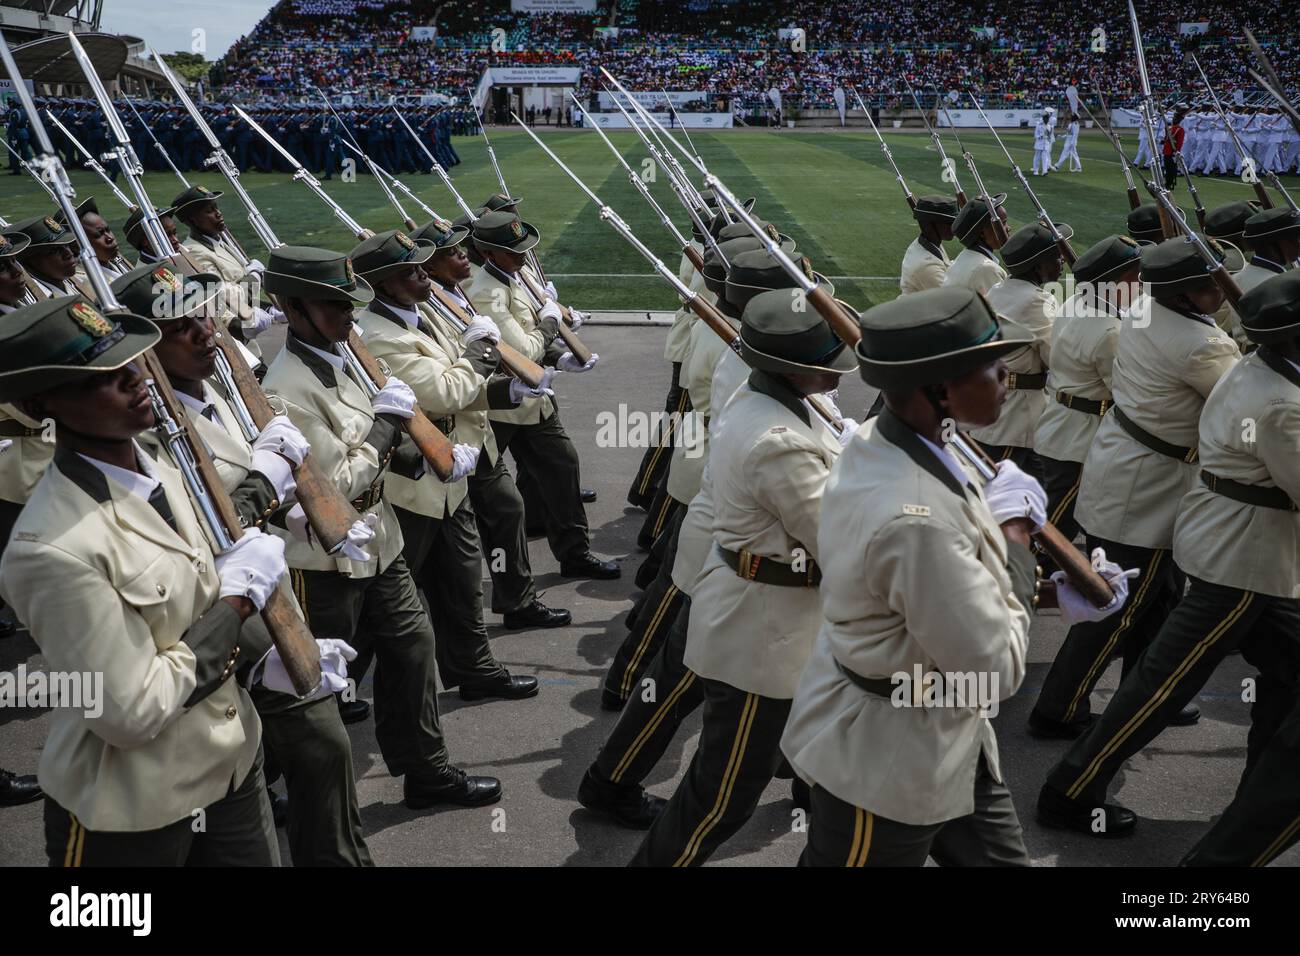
(1033, 309)
(767, 468)
(1084, 336)
(975, 270)
(448, 384)
(1166, 363)
(925, 265)
(350, 444)
(690, 453)
(507, 303)
(23, 462)
(684, 319)
(921, 576)
(241, 291)
(1250, 433)
(107, 587)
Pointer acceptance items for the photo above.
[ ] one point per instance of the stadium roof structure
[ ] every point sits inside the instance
(49, 60)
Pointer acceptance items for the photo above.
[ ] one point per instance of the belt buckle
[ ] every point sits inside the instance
(1103, 408)
(1011, 380)
(748, 564)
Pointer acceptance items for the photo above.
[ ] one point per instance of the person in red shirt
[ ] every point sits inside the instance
(1174, 136)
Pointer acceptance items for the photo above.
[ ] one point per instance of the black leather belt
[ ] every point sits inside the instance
(1027, 381)
(1256, 495)
(373, 495)
(12, 428)
(1157, 445)
(1079, 404)
(880, 686)
(753, 567)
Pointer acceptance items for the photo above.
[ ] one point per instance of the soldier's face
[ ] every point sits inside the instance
(449, 266)
(111, 406)
(54, 262)
(187, 349)
(976, 398)
(169, 227)
(329, 318)
(101, 237)
(11, 280)
(407, 287)
(207, 219)
(1206, 300)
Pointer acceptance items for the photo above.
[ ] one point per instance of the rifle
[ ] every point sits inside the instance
(297, 647)
(374, 170)
(1214, 267)
(889, 157)
(677, 118)
(1273, 85)
(433, 444)
(31, 172)
(1134, 200)
(159, 146)
(948, 168)
(437, 166)
(91, 162)
(1062, 243)
(1127, 164)
(1250, 165)
(505, 190)
(1069, 558)
(1167, 225)
(995, 219)
(1191, 188)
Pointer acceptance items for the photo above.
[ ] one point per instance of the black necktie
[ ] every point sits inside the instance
(158, 499)
(210, 413)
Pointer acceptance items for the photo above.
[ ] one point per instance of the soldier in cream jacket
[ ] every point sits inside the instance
(926, 600)
(1033, 260)
(756, 604)
(1141, 462)
(976, 266)
(450, 376)
(1237, 537)
(142, 604)
(1084, 335)
(1274, 238)
(925, 263)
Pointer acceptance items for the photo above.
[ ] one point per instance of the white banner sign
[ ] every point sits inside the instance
(553, 6)
(999, 118)
(424, 33)
(650, 99)
(7, 89)
(1194, 28)
(689, 120)
(534, 75)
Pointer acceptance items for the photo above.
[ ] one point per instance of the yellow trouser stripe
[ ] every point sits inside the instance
(664, 442)
(652, 725)
(81, 844)
(728, 781)
(1064, 503)
(1162, 694)
(1125, 622)
(863, 824)
(1275, 847)
(625, 685)
(72, 842)
(661, 517)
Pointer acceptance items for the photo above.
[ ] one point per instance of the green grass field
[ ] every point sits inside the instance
(831, 191)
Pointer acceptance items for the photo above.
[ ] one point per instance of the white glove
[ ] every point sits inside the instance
(6, 442)
(576, 319)
(353, 546)
(481, 328)
(334, 657)
(253, 567)
(1075, 608)
(254, 266)
(278, 317)
(550, 311)
(282, 437)
(466, 460)
(395, 398)
(550, 290)
(1014, 494)
(850, 428)
(256, 324)
(519, 390)
(568, 363)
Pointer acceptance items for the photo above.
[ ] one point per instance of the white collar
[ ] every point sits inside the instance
(949, 462)
(1295, 365)
(410, 316)
(454, 292)
(332, 357)
(198, 405)
(140, 483)
(53, 289)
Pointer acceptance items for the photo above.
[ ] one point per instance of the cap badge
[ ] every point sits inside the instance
(517, 229)
(347, 271)
(806, 265)
(53, 226)
(166, 277)
(90, 320)
(405, 240)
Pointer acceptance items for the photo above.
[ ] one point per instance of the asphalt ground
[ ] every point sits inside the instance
(541, 747)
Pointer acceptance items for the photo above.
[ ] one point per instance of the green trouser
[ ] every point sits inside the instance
(660, 605)
(653, 470)
(236, 830)
(499, 515)
(445, 561)
(548, 460)
(307, 745)
(383, 615)
(840, 834)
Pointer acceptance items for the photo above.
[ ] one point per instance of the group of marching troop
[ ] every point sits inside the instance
(817, 585)
(1266, 134)
(111, 567)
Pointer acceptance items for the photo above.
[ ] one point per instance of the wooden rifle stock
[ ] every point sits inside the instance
(1134, 200)
(1067, 251)
(433, 444)
(330, 514)
(693, 254)
(288, 630)
(1262, 195)
(571, 340)
(961, 196)
(513, 361)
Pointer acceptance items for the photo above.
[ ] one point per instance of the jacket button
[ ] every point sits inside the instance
(162, 590)
(201, 566)
(231, 713)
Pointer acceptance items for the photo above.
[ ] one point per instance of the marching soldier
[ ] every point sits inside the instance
(1144, 224)
(50, 258)
(1167, 359)
(1237, 536)
(304, 738)
(756, 605)
(1084, 336)
(358, 439)
(899, 774)
(135, 234)
(1273, 236)
(1033, 260)
(498, 506)
(925, 264)
(102, 242)
(533, 431)
(976, 266)
(450, 378)
(142, 600)
(1227, 225)
(208, 246)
